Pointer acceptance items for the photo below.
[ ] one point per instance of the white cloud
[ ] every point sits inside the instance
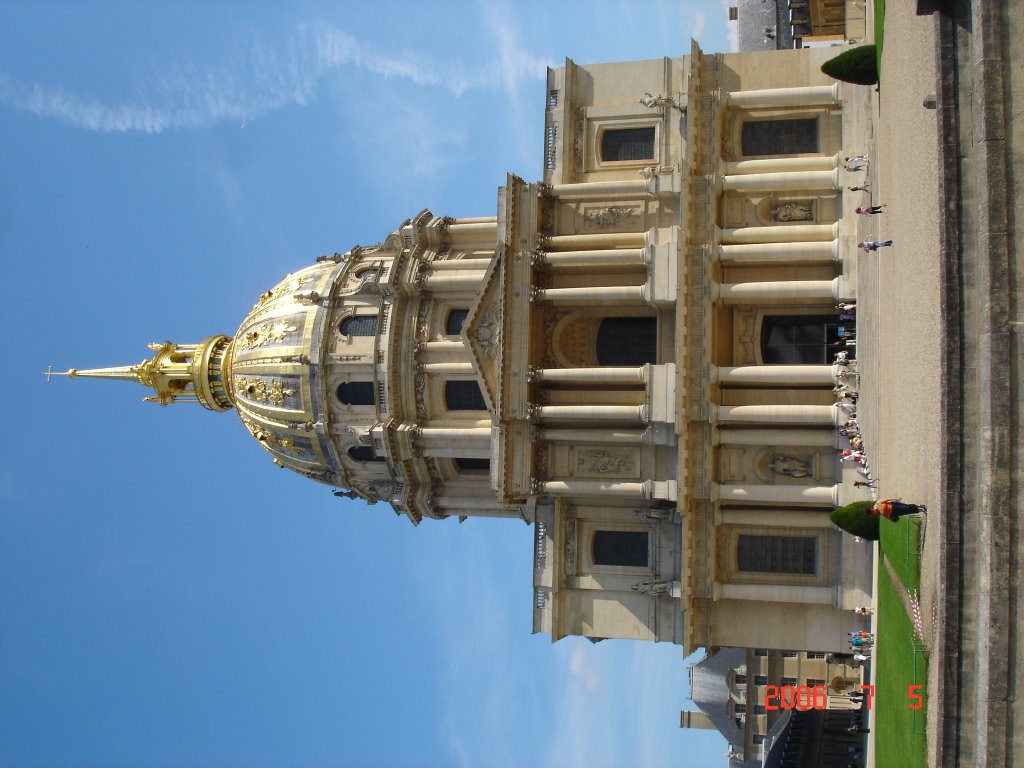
(699, 18)
(252, 79)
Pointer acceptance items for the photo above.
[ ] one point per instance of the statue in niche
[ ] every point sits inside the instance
(793, 212)
(789, 466)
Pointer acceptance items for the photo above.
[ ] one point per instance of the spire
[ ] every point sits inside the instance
(177, 372)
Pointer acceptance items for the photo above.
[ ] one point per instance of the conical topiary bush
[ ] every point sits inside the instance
(854, 518)
(858, 65)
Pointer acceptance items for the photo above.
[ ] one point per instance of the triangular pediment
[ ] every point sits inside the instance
(483, 331)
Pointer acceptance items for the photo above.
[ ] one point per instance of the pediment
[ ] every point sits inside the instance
(483, 331)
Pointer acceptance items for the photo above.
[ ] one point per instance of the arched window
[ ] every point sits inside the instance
(473, 465)
(463, 396)
(456, 319)
(801, 339)
(780, 137)
(627, 341)
(356, 393)
(777, 554)
(358, 325)
(363, 453)
(627, 144)
(626, 548)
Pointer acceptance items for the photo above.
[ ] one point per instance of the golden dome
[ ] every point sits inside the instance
(275, 372)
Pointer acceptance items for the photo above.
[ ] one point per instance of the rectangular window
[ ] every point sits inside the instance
(760, 679)
(813, 682)
(780, 137)
(777, 554)
(760, 652)
(622, 144)
(789, 681)
(625, 548)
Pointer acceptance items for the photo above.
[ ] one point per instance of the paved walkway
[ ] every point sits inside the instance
(940, 350)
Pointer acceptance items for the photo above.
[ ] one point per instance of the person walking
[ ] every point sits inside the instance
(893, 509)
(869, 210)
(861, 188)
(874, 245)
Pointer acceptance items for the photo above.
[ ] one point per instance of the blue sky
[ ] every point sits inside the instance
(168, 597)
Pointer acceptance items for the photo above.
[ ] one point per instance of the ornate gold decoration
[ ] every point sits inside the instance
(267, 333)
(291, 286)
(270, 441)
(257, 389)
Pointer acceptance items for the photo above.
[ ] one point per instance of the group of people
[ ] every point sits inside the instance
(855, 165)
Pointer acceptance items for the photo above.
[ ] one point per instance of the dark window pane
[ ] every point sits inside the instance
(628, 144)
(363, 453)
(473, 464)
(359, 325)
(628, 548)
(356, 393)
(464, 396)
(777, 554)
(802, 339)
(456, 319)
(780, 137)
(627, 341)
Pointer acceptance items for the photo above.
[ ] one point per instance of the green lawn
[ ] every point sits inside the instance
(879, 33)
(899, 730)
(901, 544)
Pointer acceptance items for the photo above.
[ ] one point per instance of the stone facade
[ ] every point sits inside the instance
(633, 354)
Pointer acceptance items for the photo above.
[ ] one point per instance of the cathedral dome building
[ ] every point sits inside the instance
(633, 354)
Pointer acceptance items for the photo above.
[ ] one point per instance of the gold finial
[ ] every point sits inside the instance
(177, 372)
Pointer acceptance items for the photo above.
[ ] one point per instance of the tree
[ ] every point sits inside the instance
(858, 65)
(854, 518)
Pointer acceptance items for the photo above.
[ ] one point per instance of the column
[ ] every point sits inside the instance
(595, 295)
(445, 368)
(455, 442)
(784, 233)
(778, 593)
(823, 495)
(822, 438)
(778, 414)
(605, 375)
(802, 96)
(596, 414)
(777, 182)
(612, 257)
(467, 235)
(780, 253)
(442, 346)
(756, 375)
(775, 292)
(626, 436)
(445, 281)
(648, 489)
(782, 164)
(609, 240)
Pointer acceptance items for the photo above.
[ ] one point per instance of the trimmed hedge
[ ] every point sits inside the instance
(858, 65)
(854, 518)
